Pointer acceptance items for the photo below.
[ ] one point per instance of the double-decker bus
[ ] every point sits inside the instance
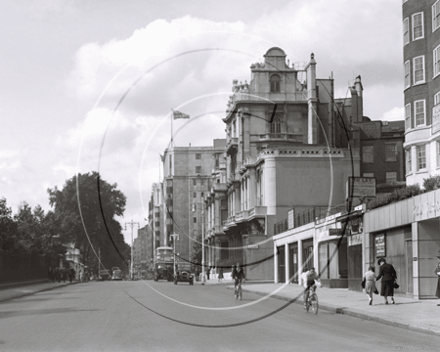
(163, 264)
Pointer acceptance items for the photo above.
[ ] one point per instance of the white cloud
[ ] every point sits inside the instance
(395, 114)
(173, 64)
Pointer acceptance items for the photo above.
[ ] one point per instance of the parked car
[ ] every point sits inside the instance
(104, 275)
(116, 273)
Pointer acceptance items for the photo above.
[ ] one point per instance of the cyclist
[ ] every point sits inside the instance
(238, 276)
(308, 282)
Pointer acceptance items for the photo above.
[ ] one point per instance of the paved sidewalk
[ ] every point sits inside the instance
(20, 289)
(408, 313)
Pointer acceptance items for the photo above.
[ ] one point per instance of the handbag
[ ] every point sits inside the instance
(376, 291)
(395, 285)
(363, 283)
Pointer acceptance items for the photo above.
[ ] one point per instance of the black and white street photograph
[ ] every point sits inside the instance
(198, 175)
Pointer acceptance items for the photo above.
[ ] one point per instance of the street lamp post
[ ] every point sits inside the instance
(203, 245)
(131, 223)
(174, 236)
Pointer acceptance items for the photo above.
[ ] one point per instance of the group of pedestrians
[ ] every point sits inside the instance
(388, 275)
(59, 274)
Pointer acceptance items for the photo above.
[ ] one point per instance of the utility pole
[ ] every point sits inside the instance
(174, 236)
(131, 224)
(203, 245)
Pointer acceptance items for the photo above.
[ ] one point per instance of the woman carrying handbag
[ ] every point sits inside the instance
(389, 276)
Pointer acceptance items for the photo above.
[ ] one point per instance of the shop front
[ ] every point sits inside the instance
(352, 225)
(407, 235)
(332, 252)
(293, 251)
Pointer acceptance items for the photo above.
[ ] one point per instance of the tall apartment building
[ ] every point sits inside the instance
(421, 52)
(187, 179)
(285, 149)
(143, 249)
(156, 215)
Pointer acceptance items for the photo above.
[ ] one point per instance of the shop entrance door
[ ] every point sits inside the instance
(308, 254)
(281, 264)
(293, 267)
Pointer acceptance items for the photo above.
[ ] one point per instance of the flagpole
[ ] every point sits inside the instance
(171, 143)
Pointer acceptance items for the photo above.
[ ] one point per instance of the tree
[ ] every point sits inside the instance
(37, 231)
(86, 208)
(8, 228)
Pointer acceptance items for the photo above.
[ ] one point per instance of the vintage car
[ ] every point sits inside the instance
(116, 273)
(183, 274)
(104, 275)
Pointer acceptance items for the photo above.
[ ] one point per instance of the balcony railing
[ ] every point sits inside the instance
(281, 136)
(258, 211)
(308, 216)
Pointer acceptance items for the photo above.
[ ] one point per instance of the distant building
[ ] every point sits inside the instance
(187, 179)
(421, 51)
(143, 248)
(156, 215)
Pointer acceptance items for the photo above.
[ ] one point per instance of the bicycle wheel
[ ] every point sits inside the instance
(240, 293)
(314, 303)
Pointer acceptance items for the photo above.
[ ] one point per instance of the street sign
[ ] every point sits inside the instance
(361, 187)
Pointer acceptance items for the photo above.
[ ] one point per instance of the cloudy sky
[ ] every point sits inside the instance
(89, 85)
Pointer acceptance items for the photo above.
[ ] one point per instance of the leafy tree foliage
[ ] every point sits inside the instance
(8, 228)
(37, 231)
(86, 208)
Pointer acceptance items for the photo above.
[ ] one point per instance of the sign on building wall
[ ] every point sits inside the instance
(435, 119)
(291, 219)
(334, 232)
(361, 187)
(355, 240)
(379, 245)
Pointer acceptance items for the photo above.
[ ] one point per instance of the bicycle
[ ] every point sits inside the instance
(312, 301)
(238, 292)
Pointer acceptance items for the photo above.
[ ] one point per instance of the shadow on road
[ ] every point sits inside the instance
(11, 314)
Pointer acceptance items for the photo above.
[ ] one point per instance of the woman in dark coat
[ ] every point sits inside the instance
(388, 275)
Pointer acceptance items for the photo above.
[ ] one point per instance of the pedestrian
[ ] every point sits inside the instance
(220, 274)
(389, 276)
(56, 275)
(437, 271)
(370, 284)
(208, 272)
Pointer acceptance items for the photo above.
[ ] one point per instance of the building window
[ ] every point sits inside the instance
(194, 220)
(390, 152)
(275, 83)
(368, 174)
(198, 169)
(419, 69)
(408, 161)
(202, 194)
(391, 177)
(407, 116)
(436, 15)
(194, 194)
(419, 113)
(436, 53)
(421, 157)
(367, 154)
(198, 156)
(194, 182)
(417, 26)
(437, 99)
(407, 74)
(438, 153)
(405, 31)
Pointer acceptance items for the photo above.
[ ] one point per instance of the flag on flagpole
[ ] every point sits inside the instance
(179, 115)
